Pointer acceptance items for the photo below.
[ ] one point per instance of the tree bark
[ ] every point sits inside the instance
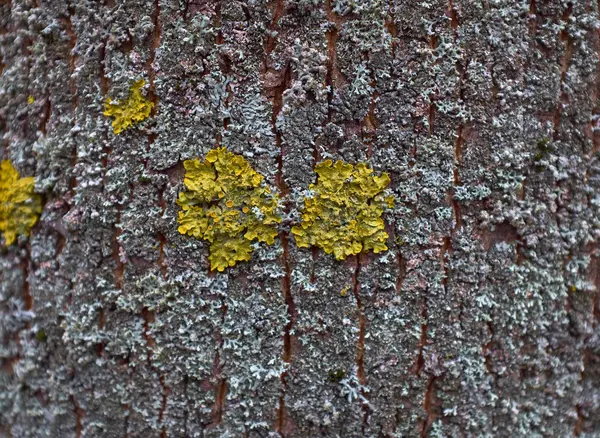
(481, 320)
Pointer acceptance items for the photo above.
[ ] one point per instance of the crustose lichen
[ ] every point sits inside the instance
(20, 207)
(228, 204)
(344, 215)
(134, 109)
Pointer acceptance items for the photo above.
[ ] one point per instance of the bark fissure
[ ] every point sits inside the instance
(79, 414)
(429, 406)
(220, 381)
(360, 344)
(566, 61)
(277, 105)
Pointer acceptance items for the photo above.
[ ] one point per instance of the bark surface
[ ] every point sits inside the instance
(481, 320)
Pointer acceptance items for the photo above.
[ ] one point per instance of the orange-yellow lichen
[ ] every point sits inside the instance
(343, 216)
(20, 207)
(228, 204)
(136, 108)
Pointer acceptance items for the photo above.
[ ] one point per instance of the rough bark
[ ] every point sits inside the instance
(483, 317)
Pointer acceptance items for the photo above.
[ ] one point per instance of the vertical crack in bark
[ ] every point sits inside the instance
(595, 120)
(486, 349)
(420, 360)
(360, 346)
(162, 240)
(220, 385)
(532, 17)
(149, 317)
(155, 43)
(79, 414)
(73, 58)
(401, 271)
(433, 41)
(331, 36)
(186, 412)
(26, 268)
(563, 98)
(429, 406)
(596, 281)
(101, 322)
(277, 105)
(579, 423)
(126, 406)
(392, 27)
(458, 143)
(370, 122)
(116, 249)
(220, 381)
(102, 68)
(163, 406)
(47, 112)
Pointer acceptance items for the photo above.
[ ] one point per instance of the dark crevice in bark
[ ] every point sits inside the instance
(595, 265)
(126, 406)
(595, 119)
(72, 57)
(163, 406)
(149, 317)
(401, 271)
(186, 411)
(444, 254)
(392, 27)
(119, 269)
(149, 66)
(532, 17)
(46, 113)
(221, 382)
(287, 338)
(579, 423)
(420, 360)
(101, 321)
(26, 268)
(360, 346)
(162, 239)
(563, 98)
(370, 122)
(459, 142)
(331, 36)
(433, 41)
(429, 406)
(486, 350)
(104, 85)
(277, 105)
(79, 414)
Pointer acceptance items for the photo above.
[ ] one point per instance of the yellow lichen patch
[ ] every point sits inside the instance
(20, 207)
(136, 108)
(228, 204)
(30, 99)
(343, 217)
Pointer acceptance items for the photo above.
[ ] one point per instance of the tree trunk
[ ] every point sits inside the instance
(482, 318)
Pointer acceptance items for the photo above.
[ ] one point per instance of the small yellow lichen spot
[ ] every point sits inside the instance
(20, 207)
(206, 214)
(135, 109)
(344, 215)
(30, 99)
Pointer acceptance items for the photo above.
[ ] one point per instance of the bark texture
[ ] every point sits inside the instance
(481, 320)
